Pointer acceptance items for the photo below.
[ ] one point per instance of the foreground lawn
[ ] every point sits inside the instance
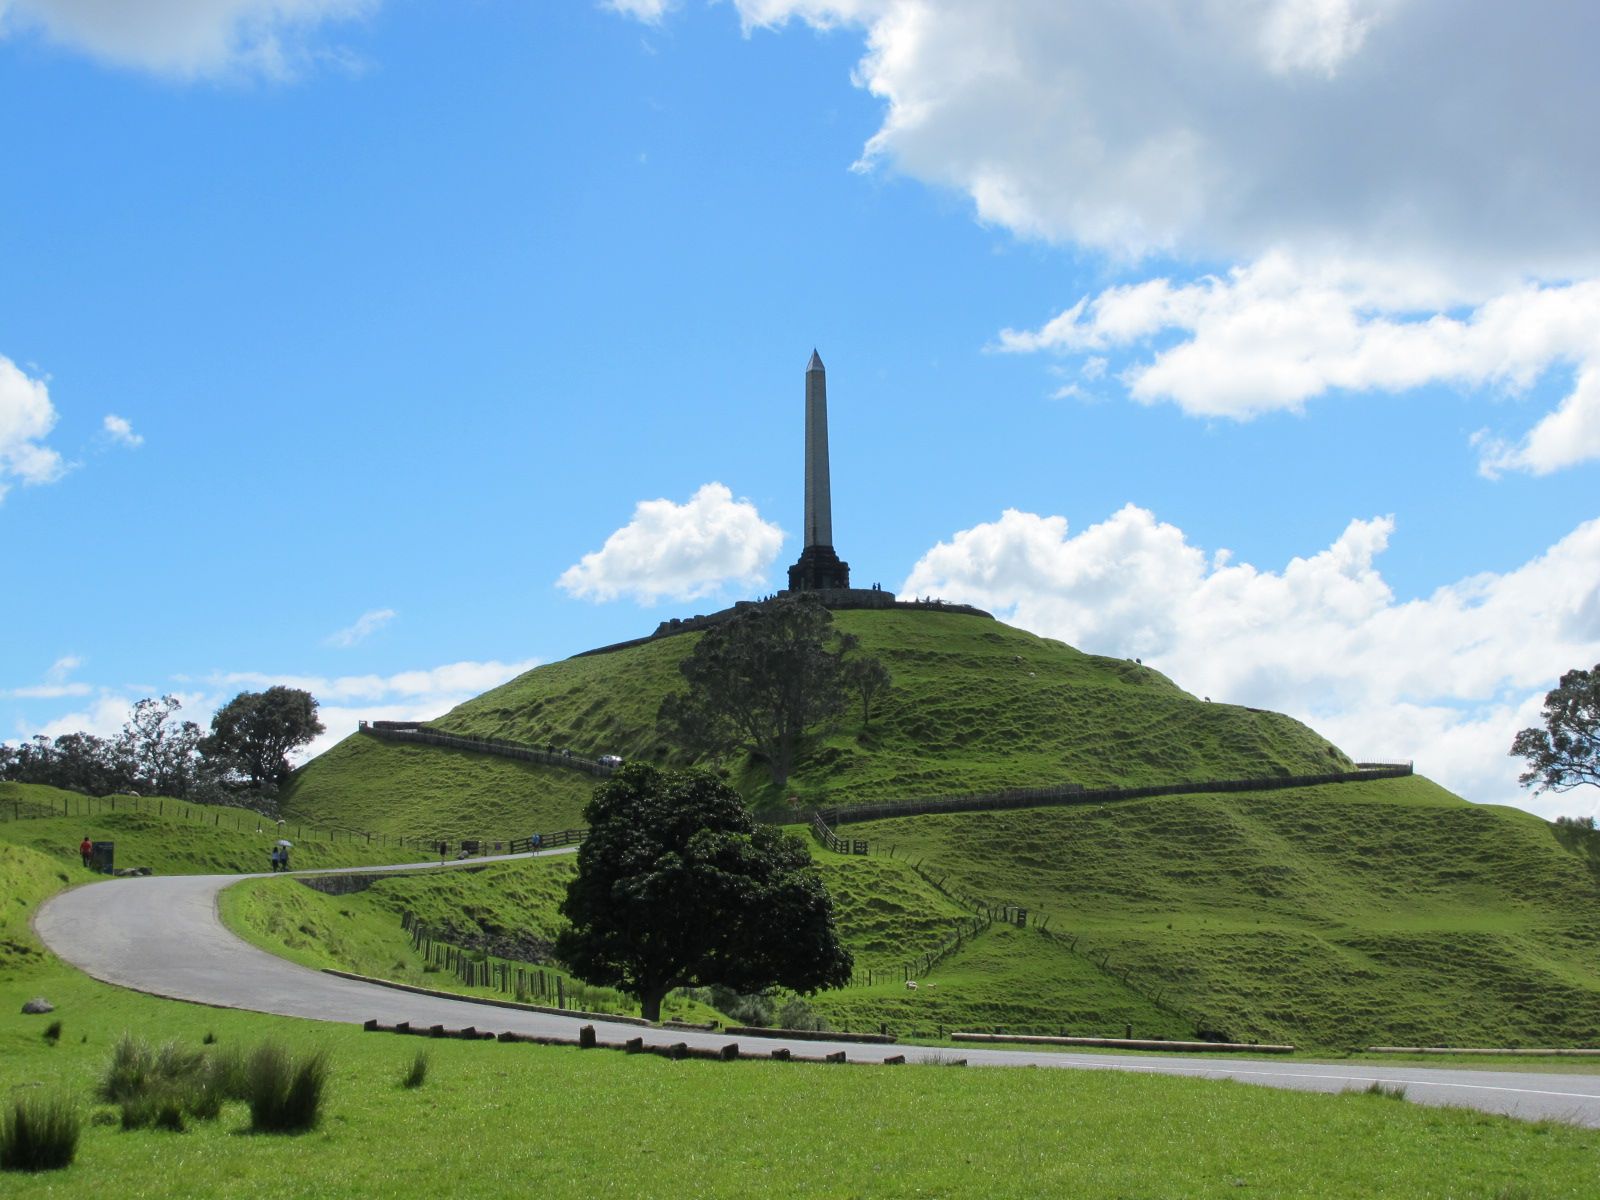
(495, 1120)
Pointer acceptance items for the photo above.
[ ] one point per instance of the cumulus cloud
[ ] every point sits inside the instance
(1456, 133)
(681, 551)
(185, 38)
(120, 430)
(26, 419)
(367, 624)
(1445, 679)
(1276, 333)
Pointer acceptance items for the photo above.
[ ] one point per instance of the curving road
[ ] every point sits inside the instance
(162, 935)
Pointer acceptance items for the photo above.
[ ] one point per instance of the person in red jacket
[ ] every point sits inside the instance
(86, 848)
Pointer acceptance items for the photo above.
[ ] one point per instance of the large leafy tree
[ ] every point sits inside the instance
(760, 681)
(678, 887)
(160, 747)
(253, 733)
(1565, 753)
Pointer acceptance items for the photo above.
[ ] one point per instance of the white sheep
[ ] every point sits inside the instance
(911, 985)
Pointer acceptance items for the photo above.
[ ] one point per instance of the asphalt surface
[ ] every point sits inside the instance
(162, 935)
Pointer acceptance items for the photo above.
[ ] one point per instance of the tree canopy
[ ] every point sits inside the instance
(1565, 753)
(253, 733)
(762, 681)
(678, 887)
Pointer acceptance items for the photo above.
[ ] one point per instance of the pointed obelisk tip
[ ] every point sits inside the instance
(815, 364)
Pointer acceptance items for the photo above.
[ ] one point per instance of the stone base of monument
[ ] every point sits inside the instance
(819, 569)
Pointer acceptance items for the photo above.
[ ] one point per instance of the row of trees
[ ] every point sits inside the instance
(158, 753)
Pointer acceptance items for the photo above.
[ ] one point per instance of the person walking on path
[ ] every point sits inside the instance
(86, 849)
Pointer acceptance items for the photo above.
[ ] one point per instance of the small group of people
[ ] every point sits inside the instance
(280, 858)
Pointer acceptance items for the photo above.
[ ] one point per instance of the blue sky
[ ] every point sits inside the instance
(342, 342)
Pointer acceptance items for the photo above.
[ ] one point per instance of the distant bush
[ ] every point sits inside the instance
(39, 1133)
(741, 1008)
(795, 1013)
(285, 1093)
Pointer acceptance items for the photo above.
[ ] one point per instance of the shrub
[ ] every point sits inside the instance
(753, 1009)
(285, 1094)
(52, 1032)
(418, 1072)
(39, 1133)
(795, 1013)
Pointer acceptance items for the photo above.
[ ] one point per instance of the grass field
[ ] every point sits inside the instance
(492, 1120)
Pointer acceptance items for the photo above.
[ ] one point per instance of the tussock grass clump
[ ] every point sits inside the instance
(160, 1087)
(52, 1032)
(39, 1133)
(285, 1093)
(138, 1069)
(418, 1074)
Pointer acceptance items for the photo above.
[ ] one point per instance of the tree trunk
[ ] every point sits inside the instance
(650, 1002)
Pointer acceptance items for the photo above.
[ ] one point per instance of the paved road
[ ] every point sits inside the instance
(162, 935)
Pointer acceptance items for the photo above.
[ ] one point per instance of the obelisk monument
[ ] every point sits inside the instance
(819, 567)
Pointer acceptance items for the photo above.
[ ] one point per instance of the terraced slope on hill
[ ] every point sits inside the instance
(1388, 911)
(976, 706)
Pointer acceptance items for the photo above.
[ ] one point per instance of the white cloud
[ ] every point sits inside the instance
(679, 550)
(1452, 133)
(1276, 333)
(464, 678)
(1446, 679)
(50, 691)
(185, 38)
(365, 626)
(120, 430)
(650, 12)
(56, 684)
(26, 419)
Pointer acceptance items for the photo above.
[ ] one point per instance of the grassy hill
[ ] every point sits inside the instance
(1335, 917)
(431, 791)
(976, 706)
(1388, 911)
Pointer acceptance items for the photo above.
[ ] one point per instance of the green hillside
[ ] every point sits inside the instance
(179, 838)
(976, 706)
(1335, 917)
(431, 791)
(1388, 911)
